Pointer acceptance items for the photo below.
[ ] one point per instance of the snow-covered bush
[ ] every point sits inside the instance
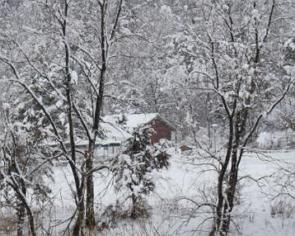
(133, 170)
(25, 165)
(282, 208)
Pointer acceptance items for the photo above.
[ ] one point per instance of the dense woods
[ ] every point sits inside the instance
(218, 73)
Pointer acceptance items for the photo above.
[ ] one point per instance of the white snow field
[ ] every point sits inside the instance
(183, 186)
(180, 189)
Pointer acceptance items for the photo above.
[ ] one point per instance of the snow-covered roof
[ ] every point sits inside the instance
(112, 133)
(119, 127)
(132, 120)
(114, 129)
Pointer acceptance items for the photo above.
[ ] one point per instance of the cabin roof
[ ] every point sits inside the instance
(133, 121)
(112, 133)
(115, 129)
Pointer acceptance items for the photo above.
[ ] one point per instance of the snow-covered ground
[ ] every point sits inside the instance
(172, 209)
(180, 188)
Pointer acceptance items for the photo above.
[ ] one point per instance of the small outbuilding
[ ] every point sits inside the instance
(162, 129)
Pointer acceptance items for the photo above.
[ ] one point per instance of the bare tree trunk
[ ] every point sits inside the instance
(133, 214)
(226, 197)
(21, 213)
(221, 201)
(90, 215)
(31, 221)
(21, 193)
(19, 186)
(103, 5)
(78, 227)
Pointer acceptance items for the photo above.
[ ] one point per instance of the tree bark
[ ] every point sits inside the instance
(21, 213)
(90, 216)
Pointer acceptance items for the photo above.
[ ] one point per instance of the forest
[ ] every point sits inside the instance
(147, 117)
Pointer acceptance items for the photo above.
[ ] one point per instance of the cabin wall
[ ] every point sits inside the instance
(107, 151)
(163, 131)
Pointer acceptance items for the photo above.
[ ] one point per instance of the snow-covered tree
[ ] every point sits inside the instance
(245, 77)
(133, 169)
(26, 162)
